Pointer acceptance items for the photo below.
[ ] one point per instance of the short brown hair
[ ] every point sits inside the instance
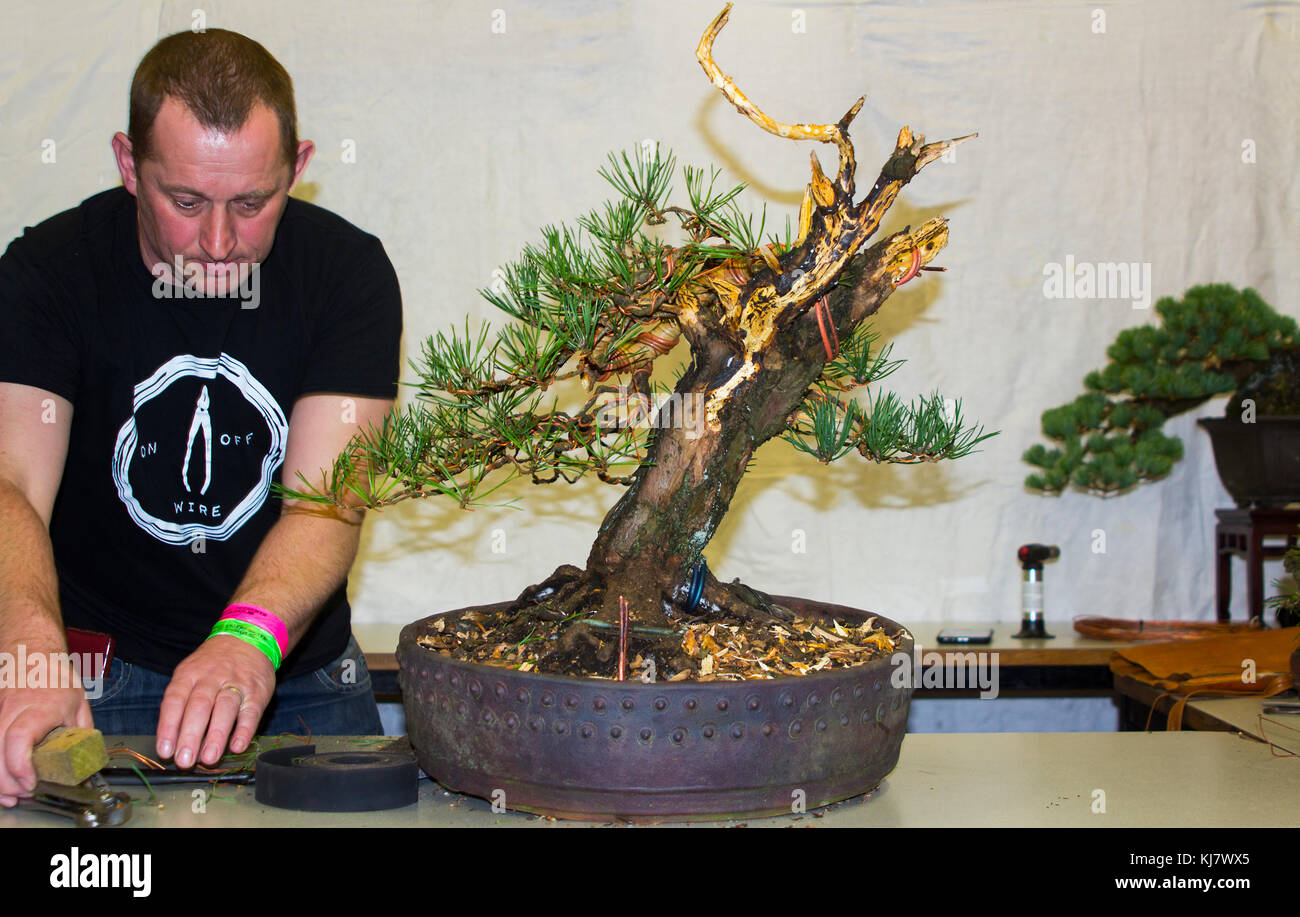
(219, 76)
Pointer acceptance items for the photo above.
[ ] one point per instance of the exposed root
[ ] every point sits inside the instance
(566, 592)
(571, 592)
(737, 599)
(577, 636)
(734, 633)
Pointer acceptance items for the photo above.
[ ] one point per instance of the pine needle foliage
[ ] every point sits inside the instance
(576, 302)
(1110, 437)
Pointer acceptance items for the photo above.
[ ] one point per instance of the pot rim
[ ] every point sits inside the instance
(901, 633)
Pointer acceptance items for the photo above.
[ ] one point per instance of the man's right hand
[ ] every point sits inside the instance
(26, 716)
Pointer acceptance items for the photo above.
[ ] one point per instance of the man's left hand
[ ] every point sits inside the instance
(225, 683)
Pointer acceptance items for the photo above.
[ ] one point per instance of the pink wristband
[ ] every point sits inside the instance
(263, 619)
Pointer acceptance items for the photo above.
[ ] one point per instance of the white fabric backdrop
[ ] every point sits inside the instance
(475, 123)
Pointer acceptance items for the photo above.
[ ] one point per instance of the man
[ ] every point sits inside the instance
(154, 338)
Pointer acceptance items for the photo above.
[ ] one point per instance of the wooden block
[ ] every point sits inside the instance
(69, 755)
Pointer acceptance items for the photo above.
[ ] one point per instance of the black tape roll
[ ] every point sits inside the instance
(337, 781)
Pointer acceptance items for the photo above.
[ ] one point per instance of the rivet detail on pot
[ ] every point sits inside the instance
(477, 727)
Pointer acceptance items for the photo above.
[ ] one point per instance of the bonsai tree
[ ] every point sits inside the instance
(1287, 602)
(1214, 341)
(777, 337)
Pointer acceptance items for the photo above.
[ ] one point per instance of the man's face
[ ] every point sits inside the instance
(213, 199)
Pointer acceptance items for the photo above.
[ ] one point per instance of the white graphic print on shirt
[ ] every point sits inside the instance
(156, 468)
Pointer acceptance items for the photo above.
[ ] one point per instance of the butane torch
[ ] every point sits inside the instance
(1031, 557)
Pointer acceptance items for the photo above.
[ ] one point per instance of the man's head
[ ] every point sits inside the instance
(211, 152)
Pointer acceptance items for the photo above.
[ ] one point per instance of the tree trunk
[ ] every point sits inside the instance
(754, 357)
(650, 542)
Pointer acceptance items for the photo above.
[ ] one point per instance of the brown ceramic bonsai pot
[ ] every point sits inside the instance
(599, 750)
(1259, 462)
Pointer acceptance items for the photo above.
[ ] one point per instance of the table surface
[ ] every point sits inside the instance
(1227, 714)
(1068, 648)
(1181, 779)
(1246, 714)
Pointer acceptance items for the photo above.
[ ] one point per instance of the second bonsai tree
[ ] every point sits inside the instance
(1216, 340)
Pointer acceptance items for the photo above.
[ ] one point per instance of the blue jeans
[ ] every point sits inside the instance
(336, 699)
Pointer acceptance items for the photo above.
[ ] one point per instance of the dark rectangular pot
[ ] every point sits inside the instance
(1259, 462)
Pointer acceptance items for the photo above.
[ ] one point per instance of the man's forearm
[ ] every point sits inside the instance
(29, 586)
(302, 560)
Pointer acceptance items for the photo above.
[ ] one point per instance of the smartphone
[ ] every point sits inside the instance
(965, 635)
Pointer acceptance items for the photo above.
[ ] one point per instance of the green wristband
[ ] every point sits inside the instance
(251, 634)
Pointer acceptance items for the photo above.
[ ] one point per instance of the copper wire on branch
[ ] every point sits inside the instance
(824, 318)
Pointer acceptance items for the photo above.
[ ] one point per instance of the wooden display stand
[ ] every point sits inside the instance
(1242, 531)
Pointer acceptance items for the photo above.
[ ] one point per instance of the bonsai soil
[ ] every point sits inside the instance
(722, 648)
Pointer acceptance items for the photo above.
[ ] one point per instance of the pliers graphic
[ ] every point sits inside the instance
(202, 421)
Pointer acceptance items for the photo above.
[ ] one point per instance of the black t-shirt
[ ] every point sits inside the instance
(181, 410)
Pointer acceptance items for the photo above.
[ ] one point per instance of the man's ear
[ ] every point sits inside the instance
(125, 161)
(306, 150)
